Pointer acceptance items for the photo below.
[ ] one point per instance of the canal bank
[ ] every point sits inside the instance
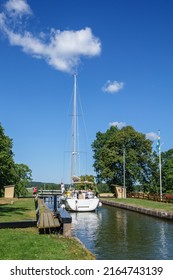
(140, 209)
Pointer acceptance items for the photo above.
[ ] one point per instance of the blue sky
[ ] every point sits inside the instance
(123, 53)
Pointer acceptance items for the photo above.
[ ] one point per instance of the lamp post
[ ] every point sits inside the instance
(158, 145)
(124, 170)
(160, 166)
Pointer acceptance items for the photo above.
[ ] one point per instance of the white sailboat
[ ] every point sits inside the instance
(78, 200)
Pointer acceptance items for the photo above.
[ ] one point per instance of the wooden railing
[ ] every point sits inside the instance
(168, 198)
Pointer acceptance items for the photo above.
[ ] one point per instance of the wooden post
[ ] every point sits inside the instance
(67, 229)
(55, 204)
(65, 220)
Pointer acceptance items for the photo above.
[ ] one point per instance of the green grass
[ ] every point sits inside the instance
(162, 206)
(27, 244)
(17, 209)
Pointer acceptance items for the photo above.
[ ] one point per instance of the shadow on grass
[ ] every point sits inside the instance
(8, 210)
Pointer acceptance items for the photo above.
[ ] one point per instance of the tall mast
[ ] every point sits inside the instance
(74, 132)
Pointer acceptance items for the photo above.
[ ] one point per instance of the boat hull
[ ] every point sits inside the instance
(81, 205)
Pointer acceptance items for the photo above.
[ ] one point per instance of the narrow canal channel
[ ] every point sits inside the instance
(117, 234)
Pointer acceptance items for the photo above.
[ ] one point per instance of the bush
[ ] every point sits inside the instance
(103, 188)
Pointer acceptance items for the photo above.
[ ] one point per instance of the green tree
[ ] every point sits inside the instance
(23, 176)
(87, 178)
(10, 172)
(152, 185)
(7, 164)
(108, 156)
(167, 170)
(86, 182)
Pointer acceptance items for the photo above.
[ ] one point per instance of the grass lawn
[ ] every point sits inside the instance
(17, 209)
(28, 244)
(162, 206)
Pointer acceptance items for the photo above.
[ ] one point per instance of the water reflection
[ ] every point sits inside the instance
(163, 248)
(117, 234)
(85, 226)
(114, 233)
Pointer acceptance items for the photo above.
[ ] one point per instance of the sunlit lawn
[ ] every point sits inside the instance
(27, 243)
(17, 209)
(144, 203)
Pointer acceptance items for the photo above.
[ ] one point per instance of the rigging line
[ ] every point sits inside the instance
(79, 152)
(67, 128)
(83, 119)
(78, 148)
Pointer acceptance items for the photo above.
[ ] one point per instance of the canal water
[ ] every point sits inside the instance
(113, 233)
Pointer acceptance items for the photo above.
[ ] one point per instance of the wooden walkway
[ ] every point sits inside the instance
(48, 223)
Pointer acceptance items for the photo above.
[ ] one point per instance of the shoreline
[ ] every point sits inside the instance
(151, 212)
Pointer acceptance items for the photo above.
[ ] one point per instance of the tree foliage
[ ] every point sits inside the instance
(167, 170)
(153, 185)
(23, 176)
(10, 172)
(141, 163)
(108, 155)
(7, 164)
(86, 182)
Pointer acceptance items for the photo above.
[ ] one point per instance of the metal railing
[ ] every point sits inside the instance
(49, 192)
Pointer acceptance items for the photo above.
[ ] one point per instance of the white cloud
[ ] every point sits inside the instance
(113, 87)
(2, 20)
(152, 136)
(118, 124)
(18, 7)
(60, 49)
